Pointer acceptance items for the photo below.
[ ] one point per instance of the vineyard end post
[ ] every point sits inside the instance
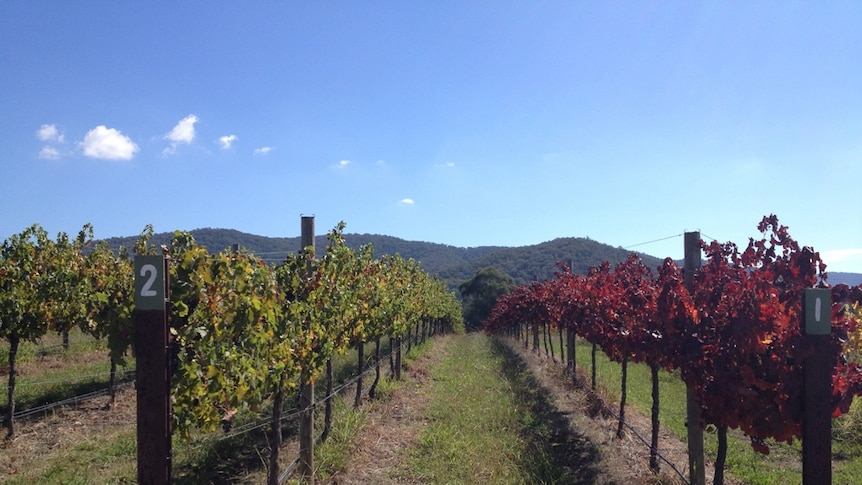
(152, 377)
(816, 383)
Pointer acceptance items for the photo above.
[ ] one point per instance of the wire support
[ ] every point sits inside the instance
(646, 442)
(639, 436)
(90, 377)
(653, 241)
(285, 474)
(263, 421)
(67, 402)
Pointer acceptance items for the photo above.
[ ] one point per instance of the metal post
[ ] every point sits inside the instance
(306, 398)
(696, 470)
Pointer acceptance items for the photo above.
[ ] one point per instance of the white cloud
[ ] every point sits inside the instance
(227, 141)
(848, 260)
(182, 133)
(108, 144)
(407, 201)
(50, 133)
(49, 153)
(343, 163)
(263, 150)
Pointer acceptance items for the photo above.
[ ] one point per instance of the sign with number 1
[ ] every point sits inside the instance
(818, 311)
(150, 282)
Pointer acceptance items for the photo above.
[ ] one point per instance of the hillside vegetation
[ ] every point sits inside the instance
(453, 264)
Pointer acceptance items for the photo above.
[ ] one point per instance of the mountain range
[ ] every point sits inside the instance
(452, 264)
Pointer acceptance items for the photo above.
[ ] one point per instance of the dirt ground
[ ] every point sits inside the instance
(395, 426)
(627, 457)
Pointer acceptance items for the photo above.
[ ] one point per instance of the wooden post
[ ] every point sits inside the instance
(306, 397)
(816, 383)
(696, 471)
(536, 338)
(398, 342)
(536, 329)
(152, 379)
(571, 366)
(360, 368)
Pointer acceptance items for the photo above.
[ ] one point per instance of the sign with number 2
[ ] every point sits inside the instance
(150, 282)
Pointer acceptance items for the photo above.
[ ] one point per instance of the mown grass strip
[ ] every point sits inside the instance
(490, 422)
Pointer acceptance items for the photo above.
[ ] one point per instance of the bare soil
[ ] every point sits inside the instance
(393, 427)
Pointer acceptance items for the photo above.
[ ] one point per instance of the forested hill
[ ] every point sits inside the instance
(453, 264)
(526, 263)
(850, 279)
(433, 256)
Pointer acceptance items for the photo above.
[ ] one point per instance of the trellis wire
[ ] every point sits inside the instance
(633, 430)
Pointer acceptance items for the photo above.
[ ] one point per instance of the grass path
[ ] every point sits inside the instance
(471, 411)
(490, 422)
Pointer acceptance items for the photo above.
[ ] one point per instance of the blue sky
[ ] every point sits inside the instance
(464, 123)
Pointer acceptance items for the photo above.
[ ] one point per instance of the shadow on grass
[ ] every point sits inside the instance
(555, 453)
(231, 459)
(58, 393)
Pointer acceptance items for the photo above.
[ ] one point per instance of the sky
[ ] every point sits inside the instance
(466, 123)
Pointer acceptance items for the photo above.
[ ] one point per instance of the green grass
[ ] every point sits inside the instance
(48, 373)
(347, 423)
(49, 345)
(490, 422)
(783, 466)
(63, 382)
(333, 455)
(106, 458)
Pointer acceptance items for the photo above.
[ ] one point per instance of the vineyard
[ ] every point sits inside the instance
(730, 328)
(248, 340)
(245, 336)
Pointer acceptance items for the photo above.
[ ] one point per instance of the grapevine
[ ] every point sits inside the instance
(735, 337)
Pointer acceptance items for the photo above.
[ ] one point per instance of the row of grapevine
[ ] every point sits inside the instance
(55, 285)
(244, 333)
(247, 333)
(735, 337)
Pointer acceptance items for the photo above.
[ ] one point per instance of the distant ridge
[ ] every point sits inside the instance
(432, 255)
(453, 264)
(849, 279)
